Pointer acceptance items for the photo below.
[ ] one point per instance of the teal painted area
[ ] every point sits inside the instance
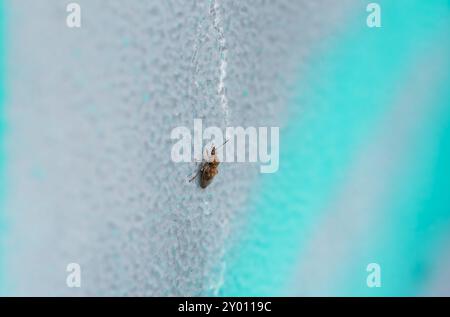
(416, 217)
(2, 132)
(339, 104)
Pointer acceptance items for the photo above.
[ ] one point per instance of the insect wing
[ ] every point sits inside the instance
(206, 179)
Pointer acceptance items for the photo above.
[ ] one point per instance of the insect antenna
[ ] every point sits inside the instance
(222, 144)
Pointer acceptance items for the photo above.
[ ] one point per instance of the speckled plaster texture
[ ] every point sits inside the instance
(90, 176)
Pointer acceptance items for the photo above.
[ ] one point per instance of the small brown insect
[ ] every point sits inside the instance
(208, 169)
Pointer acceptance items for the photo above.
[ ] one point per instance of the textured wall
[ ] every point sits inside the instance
(364, 147)
(90, 178)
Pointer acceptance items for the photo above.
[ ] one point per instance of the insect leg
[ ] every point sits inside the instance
(196, 174)
(197, 161)
(208, 156)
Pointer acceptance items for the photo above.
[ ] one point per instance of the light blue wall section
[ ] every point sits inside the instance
(311, 228)
(341, 105)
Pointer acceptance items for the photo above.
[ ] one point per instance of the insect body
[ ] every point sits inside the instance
(208, 169)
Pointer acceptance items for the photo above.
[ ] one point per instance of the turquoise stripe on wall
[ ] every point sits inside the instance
(339, 106)
(409, 240)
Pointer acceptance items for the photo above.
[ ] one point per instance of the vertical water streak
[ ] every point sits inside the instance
(223, 52)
